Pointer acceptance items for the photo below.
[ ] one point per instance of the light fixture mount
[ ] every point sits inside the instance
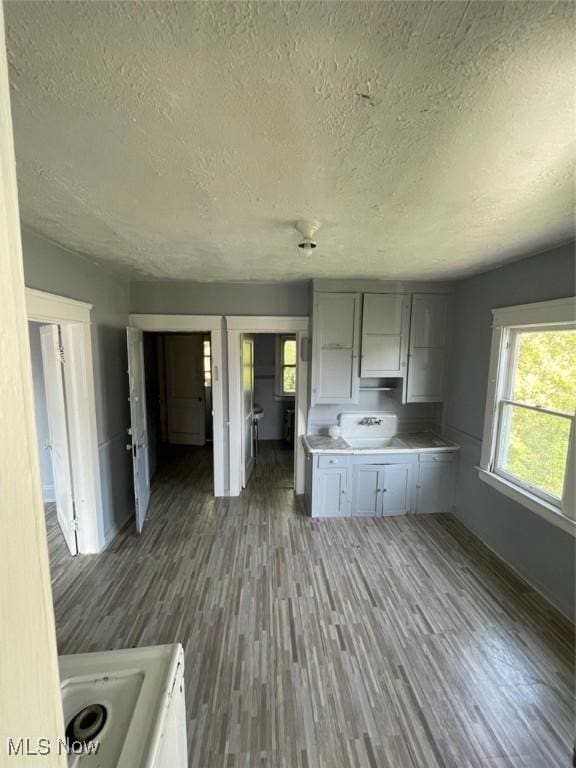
(307, 229)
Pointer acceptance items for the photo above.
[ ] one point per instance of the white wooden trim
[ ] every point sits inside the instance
(263, 324)
(539, 313)
(507, 322)
(495, 379)
(199, 324)
(30, 698)
(337, 285)
(176, 323)
(83, 434)
(49, 308)
(537, 505)
(73, 317)
(236, 326)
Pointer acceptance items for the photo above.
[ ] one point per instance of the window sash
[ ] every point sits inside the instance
(501, 444)
(505, 350)
(281, 366)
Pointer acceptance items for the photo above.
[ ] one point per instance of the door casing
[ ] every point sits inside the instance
(236, 326)
(212, 324)
(74, 319)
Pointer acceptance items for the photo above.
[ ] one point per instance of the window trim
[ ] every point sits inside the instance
(280, 365)
(507, 322)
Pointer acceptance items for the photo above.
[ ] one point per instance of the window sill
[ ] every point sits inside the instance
(537, 505)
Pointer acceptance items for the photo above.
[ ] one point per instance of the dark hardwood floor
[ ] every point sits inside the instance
(397, 642)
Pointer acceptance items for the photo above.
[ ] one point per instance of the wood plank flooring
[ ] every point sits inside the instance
(391, 643)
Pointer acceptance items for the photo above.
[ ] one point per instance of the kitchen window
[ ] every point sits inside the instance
(286, 366)
(528, 446)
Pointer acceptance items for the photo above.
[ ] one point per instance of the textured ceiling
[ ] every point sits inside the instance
(183, 140)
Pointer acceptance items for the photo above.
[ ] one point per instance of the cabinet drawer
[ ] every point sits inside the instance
(440, 457)
(333, 461)
(385, 458)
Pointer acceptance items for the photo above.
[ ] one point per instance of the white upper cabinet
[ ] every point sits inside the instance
(385, 319)
(335, 343)
(427, 353)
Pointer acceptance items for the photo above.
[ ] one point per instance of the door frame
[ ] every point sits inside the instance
(212, 324)
(236, 326)
(74, 319)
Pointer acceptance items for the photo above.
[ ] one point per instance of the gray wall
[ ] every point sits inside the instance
(272, 425)
(542, 553)
(41, 413)
(48, 267)
(221, 298)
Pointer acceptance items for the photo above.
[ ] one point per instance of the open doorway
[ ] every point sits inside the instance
(178, 375)
(269, 409)
(46, 353)
(176, 405)
(267, 367)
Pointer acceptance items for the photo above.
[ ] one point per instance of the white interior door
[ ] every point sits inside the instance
(52, 358)
(138, 426)
(247, 368)
(185, 392)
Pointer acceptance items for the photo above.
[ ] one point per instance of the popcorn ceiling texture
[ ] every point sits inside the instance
(183, 140)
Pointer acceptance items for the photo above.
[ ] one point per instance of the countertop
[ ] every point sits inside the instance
(403, 443)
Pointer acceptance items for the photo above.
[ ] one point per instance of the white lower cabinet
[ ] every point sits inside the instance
(398, 487)
(367, 483)
(435, 485)
(340, 485)
(330, 487)
(384, 489)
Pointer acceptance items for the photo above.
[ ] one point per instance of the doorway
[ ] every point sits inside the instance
(52, 433)
(60, 334)
(269, 365)
(268, 382)
(178, 376)
(177, 414)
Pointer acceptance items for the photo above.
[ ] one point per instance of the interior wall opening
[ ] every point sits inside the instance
(47, 357)
(179, 410)
(269, 393)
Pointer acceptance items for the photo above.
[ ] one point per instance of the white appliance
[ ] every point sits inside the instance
(125, 709)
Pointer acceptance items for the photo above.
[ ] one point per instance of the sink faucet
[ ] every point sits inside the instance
(371, 421)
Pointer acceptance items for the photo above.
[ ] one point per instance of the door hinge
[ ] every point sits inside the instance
(61, 354)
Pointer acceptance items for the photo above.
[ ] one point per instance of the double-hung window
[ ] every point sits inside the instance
(286, 366)
(529, 432)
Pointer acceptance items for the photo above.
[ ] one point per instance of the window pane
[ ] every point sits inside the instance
(289, 352)
(535, 447)
(289, 379)
(206, 346)
(546, 369)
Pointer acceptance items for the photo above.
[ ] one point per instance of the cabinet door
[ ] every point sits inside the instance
(426, 359)
(435, 482)
(426, 376)
(398, 484)
(428, 320)
(384, 334)
(367, 491)
(336, 335)
(331, 493)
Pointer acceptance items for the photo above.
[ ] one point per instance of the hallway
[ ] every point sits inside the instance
(333, 643)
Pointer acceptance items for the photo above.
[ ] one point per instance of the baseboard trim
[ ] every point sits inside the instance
(519, 575)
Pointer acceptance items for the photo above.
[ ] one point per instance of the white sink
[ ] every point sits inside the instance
(375, 443)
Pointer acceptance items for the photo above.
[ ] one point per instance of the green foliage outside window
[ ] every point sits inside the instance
(545, 377)
(289, 365)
